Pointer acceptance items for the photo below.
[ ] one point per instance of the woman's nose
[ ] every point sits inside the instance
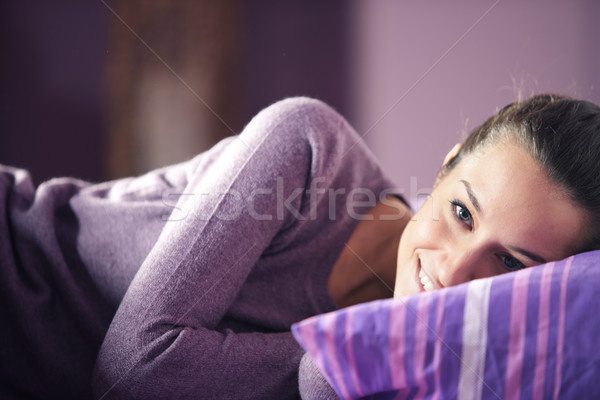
(458, 266)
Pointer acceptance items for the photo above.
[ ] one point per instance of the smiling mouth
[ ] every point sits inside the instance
(425, 281)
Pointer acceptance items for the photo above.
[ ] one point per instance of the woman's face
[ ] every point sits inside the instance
(495, 212)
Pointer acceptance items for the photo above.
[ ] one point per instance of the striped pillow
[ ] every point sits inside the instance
(531, 334)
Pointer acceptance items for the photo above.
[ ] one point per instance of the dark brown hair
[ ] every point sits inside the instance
(563, 135)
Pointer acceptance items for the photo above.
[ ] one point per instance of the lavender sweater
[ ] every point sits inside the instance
(181, 283)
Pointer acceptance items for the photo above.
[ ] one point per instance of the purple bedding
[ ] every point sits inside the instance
(531, 334)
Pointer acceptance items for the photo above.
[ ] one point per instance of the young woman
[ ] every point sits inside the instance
(184, 282)
(523, 189)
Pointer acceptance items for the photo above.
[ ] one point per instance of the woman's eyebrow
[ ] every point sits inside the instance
(471, 195)
(529, 255)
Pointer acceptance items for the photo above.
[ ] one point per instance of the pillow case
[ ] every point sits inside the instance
(531, 334)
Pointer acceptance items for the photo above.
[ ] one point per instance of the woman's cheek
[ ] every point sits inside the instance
(429, 228)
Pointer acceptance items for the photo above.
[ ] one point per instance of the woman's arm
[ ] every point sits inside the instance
(165, 339)
(119, 222)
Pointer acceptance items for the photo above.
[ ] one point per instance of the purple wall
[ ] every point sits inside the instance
(51, 116)
(292, 49)
(425, 71)
(411, 76)
(53, 104)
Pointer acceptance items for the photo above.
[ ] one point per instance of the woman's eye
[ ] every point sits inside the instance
(511, 263)
(462, 213)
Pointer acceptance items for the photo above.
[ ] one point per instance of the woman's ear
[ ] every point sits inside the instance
(452, 153)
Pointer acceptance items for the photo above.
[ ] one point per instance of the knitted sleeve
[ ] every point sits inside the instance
(312, 384)
(164, 340)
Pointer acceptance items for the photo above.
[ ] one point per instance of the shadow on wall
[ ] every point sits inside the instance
(51, 118)
(108, 89)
